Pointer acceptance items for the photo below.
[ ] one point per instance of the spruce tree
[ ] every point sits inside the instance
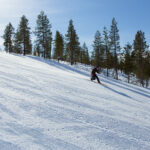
(8, 38)
(43, 35)
(58, 46)
(72, 44)
(140, 48)
(115, 45)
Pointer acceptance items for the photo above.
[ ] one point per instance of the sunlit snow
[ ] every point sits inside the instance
(46, 105)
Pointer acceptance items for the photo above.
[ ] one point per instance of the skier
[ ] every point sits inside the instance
(94, 76)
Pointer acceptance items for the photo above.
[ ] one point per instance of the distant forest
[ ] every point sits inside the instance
(132, 59)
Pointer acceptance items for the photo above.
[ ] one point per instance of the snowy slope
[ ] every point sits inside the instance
(45, 105)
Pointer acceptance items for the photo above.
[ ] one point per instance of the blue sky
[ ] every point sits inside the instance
(88, 16)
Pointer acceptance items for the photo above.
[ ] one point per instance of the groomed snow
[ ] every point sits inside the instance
(46, 105)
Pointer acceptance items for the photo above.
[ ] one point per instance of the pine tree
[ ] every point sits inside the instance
(87, 57)
(24, 36)
(128, 66)
(106, 41)
(77, 53)
(72, 44)
(8, 38)
(115, 45)
(43, 35)
(17, 43)
(146, 68)
(140, 47)
(121, 62)
(98, 50)
(58, 46)
(84, 54)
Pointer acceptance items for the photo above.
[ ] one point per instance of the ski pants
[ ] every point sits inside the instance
(95, 77)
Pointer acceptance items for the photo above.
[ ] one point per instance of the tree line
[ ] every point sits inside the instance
(107, 54)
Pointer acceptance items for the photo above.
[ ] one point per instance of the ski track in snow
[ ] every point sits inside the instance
(46, 105)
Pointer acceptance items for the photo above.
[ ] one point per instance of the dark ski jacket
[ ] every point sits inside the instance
(93, 73)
